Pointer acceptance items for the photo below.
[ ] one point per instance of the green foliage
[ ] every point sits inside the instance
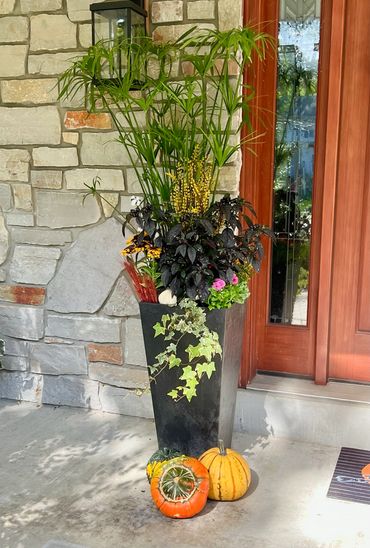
(190, 321)
(228, 296)
(197, 248)
(207, 106)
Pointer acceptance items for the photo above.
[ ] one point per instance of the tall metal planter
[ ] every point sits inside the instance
(193, 427)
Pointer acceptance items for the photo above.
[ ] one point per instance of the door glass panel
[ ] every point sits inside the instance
(298, 55)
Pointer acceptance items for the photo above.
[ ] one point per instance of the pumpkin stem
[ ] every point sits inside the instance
(221, 447)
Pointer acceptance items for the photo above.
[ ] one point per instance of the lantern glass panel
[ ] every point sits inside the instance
(137, 26)
(118, 25)
(112, 26)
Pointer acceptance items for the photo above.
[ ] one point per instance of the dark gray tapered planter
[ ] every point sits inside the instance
(193, 427)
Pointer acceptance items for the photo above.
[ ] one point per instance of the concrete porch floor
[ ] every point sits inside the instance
(75, 478)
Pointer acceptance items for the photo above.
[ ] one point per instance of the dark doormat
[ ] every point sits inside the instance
(351, 478)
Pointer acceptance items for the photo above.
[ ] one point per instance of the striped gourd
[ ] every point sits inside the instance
(229, 473)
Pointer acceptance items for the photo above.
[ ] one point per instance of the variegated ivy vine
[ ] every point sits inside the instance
(174, 327)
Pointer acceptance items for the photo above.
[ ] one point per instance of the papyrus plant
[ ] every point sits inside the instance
(190, 93)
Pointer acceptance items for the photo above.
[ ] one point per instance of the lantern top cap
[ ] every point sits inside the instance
(134, 5)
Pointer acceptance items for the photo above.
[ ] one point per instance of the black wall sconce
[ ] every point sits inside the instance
(115, 22)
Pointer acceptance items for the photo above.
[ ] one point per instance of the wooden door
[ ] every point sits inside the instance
(279, 347)
(349, 334)
(335, 342)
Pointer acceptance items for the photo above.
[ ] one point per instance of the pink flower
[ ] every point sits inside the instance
(218, 284)
(235, 280)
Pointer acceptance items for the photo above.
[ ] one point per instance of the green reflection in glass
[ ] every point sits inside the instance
(294, 161)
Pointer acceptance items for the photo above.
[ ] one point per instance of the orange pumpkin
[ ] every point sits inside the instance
(180, 488)
(229, 473)
(366, 473)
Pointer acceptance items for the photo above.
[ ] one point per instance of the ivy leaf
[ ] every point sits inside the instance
(165, 318)
(190, 390)
(188, 374)
(174, 394)
(159, 329)
(173, 361)
(207, 367)
(193, 352)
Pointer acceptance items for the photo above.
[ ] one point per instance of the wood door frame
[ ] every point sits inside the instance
(326, 165)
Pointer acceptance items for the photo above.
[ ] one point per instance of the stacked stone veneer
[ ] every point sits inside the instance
(69, 321)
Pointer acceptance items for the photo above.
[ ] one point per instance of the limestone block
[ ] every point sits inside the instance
(139, 115)
(57, 359)
(165, 33)
(76, 100)
(229, 178)
(6, 6)
(65, 209)
(102, 149)
(70, 390)
(125, 402)
(134, 343)
(21, 322)
(20, 219)
(109, 353)
(46, 179)
(34, 264)
(55, 157)
(109, 201)
(14, 164)
(12, 61)
(132, 180)
(30, 91)
(167, 11)
(41, 236)
(14, 363)
(29, 126)
(88, 271)
(84, 328)
(122, 302)
(125, 204)
(22, 196)
(28, 6)
(70, 137)
(2, 274)
(123, 377)
(201, 9)
(51, 63)
(84, 35)
(13, 29)
(110, 179)
(4, 240)
(22, 294)
(79, 10)
(20, 385)
(77, 119)
(52, 32)
(230, 14)
(5, 197)
(15, 347)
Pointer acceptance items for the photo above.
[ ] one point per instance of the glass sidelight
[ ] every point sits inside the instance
(298, 56)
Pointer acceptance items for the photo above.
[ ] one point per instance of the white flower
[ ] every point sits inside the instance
(168, 298)
(135, 201)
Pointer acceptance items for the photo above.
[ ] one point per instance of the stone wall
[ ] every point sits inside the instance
(70, 324)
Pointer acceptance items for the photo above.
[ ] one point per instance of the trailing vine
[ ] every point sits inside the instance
(174, 327)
